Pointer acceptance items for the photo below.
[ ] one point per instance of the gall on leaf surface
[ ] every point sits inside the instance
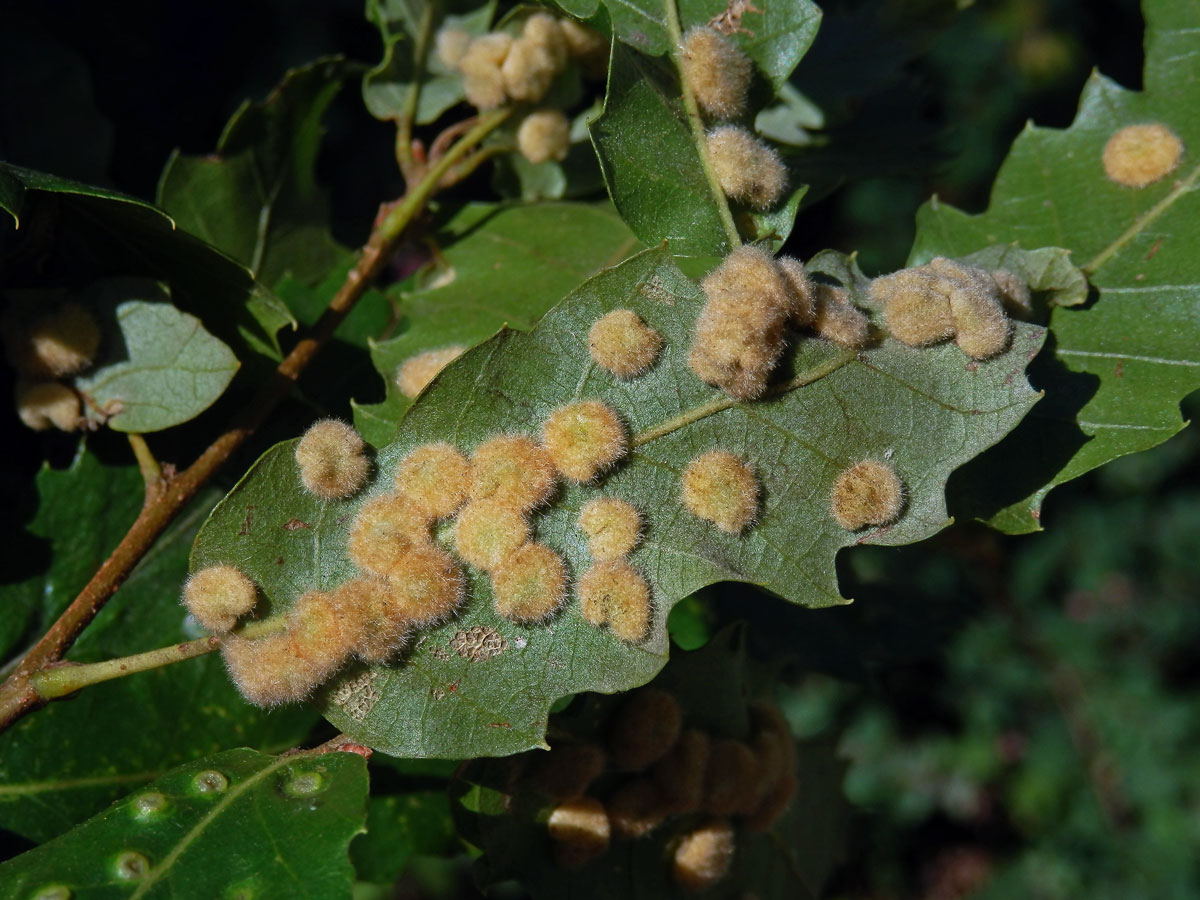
(793, 858)
(198, 831)
(1116, 369)
(929, 411)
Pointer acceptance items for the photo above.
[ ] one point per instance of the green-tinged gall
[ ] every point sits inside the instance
(584, 439)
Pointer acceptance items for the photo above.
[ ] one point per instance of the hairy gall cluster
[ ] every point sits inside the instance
(47, 345)
(837, 319)
(332, 461)
(217, 596)
(584, 439)
(615, 594)
(867, 493)
(385, 528)
(721, 488)
(747, 168)
(622, 344)
(416, 372)
(1139, 155)
(716, 72)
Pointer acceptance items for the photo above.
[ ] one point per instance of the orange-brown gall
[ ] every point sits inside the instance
(916, 310)
(635, 809)
(544, 135)
(680, 774)
(1139, 155)
(747, 168)
(622, 344)
(716, 72)
(379, 630)
(567, 770)
(217, 596)
(703, 856)
(48, 404)
(530, 585)
(267, 671)
(425, 588)
(644, 728)
(486, 533)
(615, 594)
(513, 470)
(981, 327)
(416, 372)
(583, 439)
(332, 463)
(580, 831)
(804, 291)
(867, 493)
(322, 636)
(839, 320)
(435, 477)
(59, 343)
(384, 530)
(731, 778)
(612, 527)
(741, 330)
(720, 488)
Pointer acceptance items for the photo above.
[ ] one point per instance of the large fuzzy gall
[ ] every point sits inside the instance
(384, 530)
(615, 594)
(332, 461)
(981, 327)
(916, 309)
(867, 493)
(530, 585)
(716, 72)
(622, 344)
(580, 831)
(584, 439)
(612, 527)
(747, 168)
(217, 596)
(839, 320)
(721, 488)
(486, 533)
(512, 470)
(435, 478)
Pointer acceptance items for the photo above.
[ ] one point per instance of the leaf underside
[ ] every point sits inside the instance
(927, 410)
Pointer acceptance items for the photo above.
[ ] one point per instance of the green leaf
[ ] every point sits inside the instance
(1116, 369)
(69, 760)
(126, 236)
(239, 824)
(653, 168)
(163, 368)
(256, 197)
(407, 28)
(502, 265)
(400, 827)
(793, 858)
(928, 410)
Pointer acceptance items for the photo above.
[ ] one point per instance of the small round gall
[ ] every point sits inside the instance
(716, 72)
(615, 594)
(580, 831)
(48, 404)
(544, 135)
(916, 309)
(486, 533)
(612, 527)
(435, 477)
(839, 320)
(530, 585)
(622, 344)
(584, 439)
(867, 493)
(384, 530)
(747, 168)
(703, 856)
(332, 463)
(644, 729)
(512, 470)
(217, 596)
(61, 342)
(1139, 155)
(721, 488)
(483, 82)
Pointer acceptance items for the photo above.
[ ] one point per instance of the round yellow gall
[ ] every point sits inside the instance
(46, 404)
(486, 533)
(916, 310)
(568, 769)
(703, 856)
(61, 342)
(680, 774)
(384, 530)
(644, 728)
(612, 527)
(583, 439)
(217, 596)
(530, 585)
(716, 72)
(544, 135)
(332, 463)
(615, 594)
(512, 470)
(1139, 155)
(435, 477)
(580, 831)
(425, 588)
(528, 71)
(635, 809)
(867, 493)
(747, 168)
(720, 488)
(622, 344)
(416, 372)
(839, 320)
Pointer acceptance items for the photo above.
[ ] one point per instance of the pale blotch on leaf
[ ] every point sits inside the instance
(567, 771)
(839, 320)
(217, 596)
(530, 585)
(747, 168)
(487, 532)
(513, 470)
(615, 594)
(48, 404)
(622, 344)
(416, 372)
(680, 774)
(544, 135)
(1139, 155)
(612, 527)
(331, 460)
(579, 829)
(867, 493)
(716, 71)
(703, 856)
(644, 728)
(583, 439)
(720, 488)
(384, 529)
(435, 477)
